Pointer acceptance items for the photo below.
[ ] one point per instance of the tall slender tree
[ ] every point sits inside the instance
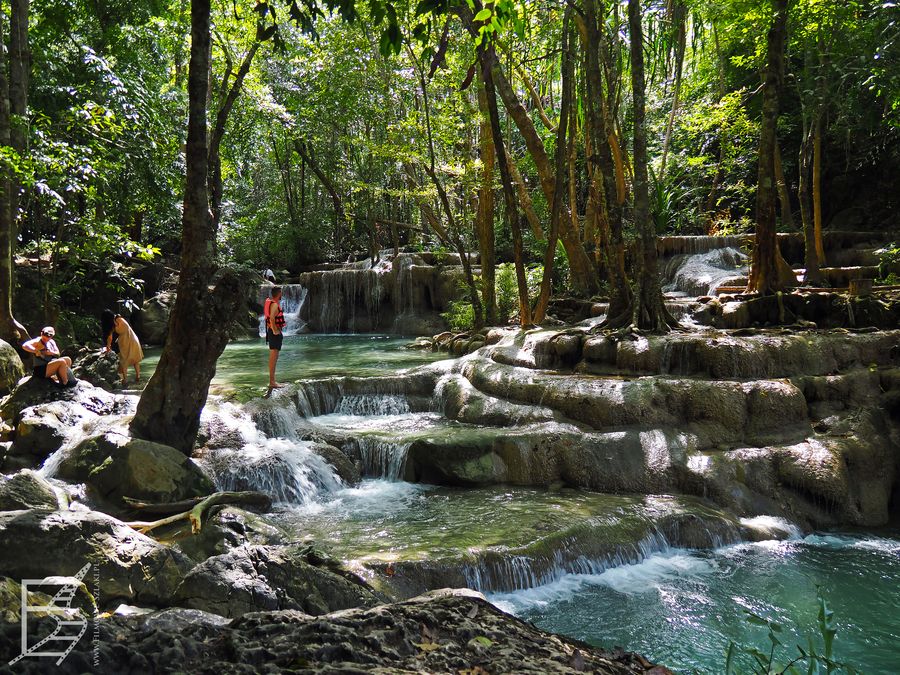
(766, 275)
(15, 68)
(649, 309)
(207, 297)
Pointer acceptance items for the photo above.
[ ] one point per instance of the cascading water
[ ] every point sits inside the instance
(284, 468)
(352, 297)
(703, 272)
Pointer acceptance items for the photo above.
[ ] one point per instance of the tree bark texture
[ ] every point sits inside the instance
(207, 299)
(560, 161)
(649, 310)
(764, 270)
(515, 219)
(485, 217)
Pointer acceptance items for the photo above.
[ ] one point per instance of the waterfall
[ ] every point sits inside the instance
(352, 297)
(293, 299)
(702, 273)
(372, 404)
(285, 468)
(288, 471)
(382, 457)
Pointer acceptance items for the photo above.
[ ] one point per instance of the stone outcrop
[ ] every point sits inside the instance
(226, 528)
(442, 632)
(11, 368)
(34, 391)
(99, 368)
(154, 318)
(26, 490)
(118, 466)
(134, 568)
(43, 428)
(262, 578)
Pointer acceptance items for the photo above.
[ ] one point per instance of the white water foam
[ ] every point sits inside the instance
(643, 577)
(773, 527)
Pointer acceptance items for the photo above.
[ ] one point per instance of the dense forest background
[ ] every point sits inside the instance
(332, 139)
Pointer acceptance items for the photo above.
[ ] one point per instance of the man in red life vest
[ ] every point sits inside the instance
(274, 335)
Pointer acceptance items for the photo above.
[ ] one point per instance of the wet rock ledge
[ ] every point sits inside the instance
(441, 632)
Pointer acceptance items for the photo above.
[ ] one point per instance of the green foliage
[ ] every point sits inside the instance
(815, 659)
(889, 263)
(460, 314)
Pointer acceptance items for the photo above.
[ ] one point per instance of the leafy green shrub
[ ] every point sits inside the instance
(460, 315)
(888, 258)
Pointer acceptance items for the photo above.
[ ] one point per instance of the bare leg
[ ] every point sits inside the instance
(273, 360)
(60, 368)
(137, 372)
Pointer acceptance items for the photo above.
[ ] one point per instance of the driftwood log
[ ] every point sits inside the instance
(193, 510)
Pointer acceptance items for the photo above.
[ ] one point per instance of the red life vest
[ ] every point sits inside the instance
(279, 318)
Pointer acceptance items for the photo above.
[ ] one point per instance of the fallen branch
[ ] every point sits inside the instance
(195, 509)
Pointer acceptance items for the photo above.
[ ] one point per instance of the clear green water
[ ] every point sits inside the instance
(245, 364)
(679, 607)
(683, 607)
(393, 520)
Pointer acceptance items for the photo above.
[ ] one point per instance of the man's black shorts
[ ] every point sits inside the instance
(273, 340)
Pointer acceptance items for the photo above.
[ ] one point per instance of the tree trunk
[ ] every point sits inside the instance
(811, 256)
(580, 267)
(784, 198)
(764, 269)
(309, 158)
(10, 329)
(214, 178)
(488, 58)
(609, 192)
(485, 217)
(169, 409)
(559, 191)
(649, 310)
(817, 187)
(525, 200)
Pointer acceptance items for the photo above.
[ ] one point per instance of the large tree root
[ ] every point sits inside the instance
(194, 509)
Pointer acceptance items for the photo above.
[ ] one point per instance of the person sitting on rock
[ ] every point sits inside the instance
(47, 360)
(130, 352)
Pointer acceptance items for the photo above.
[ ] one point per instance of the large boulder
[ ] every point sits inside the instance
(11, 368)
(42, 429)
(97, 367)
(442, 632)
(133, 567)
(118, 466)
(258, 578)
(154, 322)
(26, 490)
(34, 391)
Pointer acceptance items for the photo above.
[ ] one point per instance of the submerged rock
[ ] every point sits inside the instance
(259, 578)
(118, 466)
(442, 632)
